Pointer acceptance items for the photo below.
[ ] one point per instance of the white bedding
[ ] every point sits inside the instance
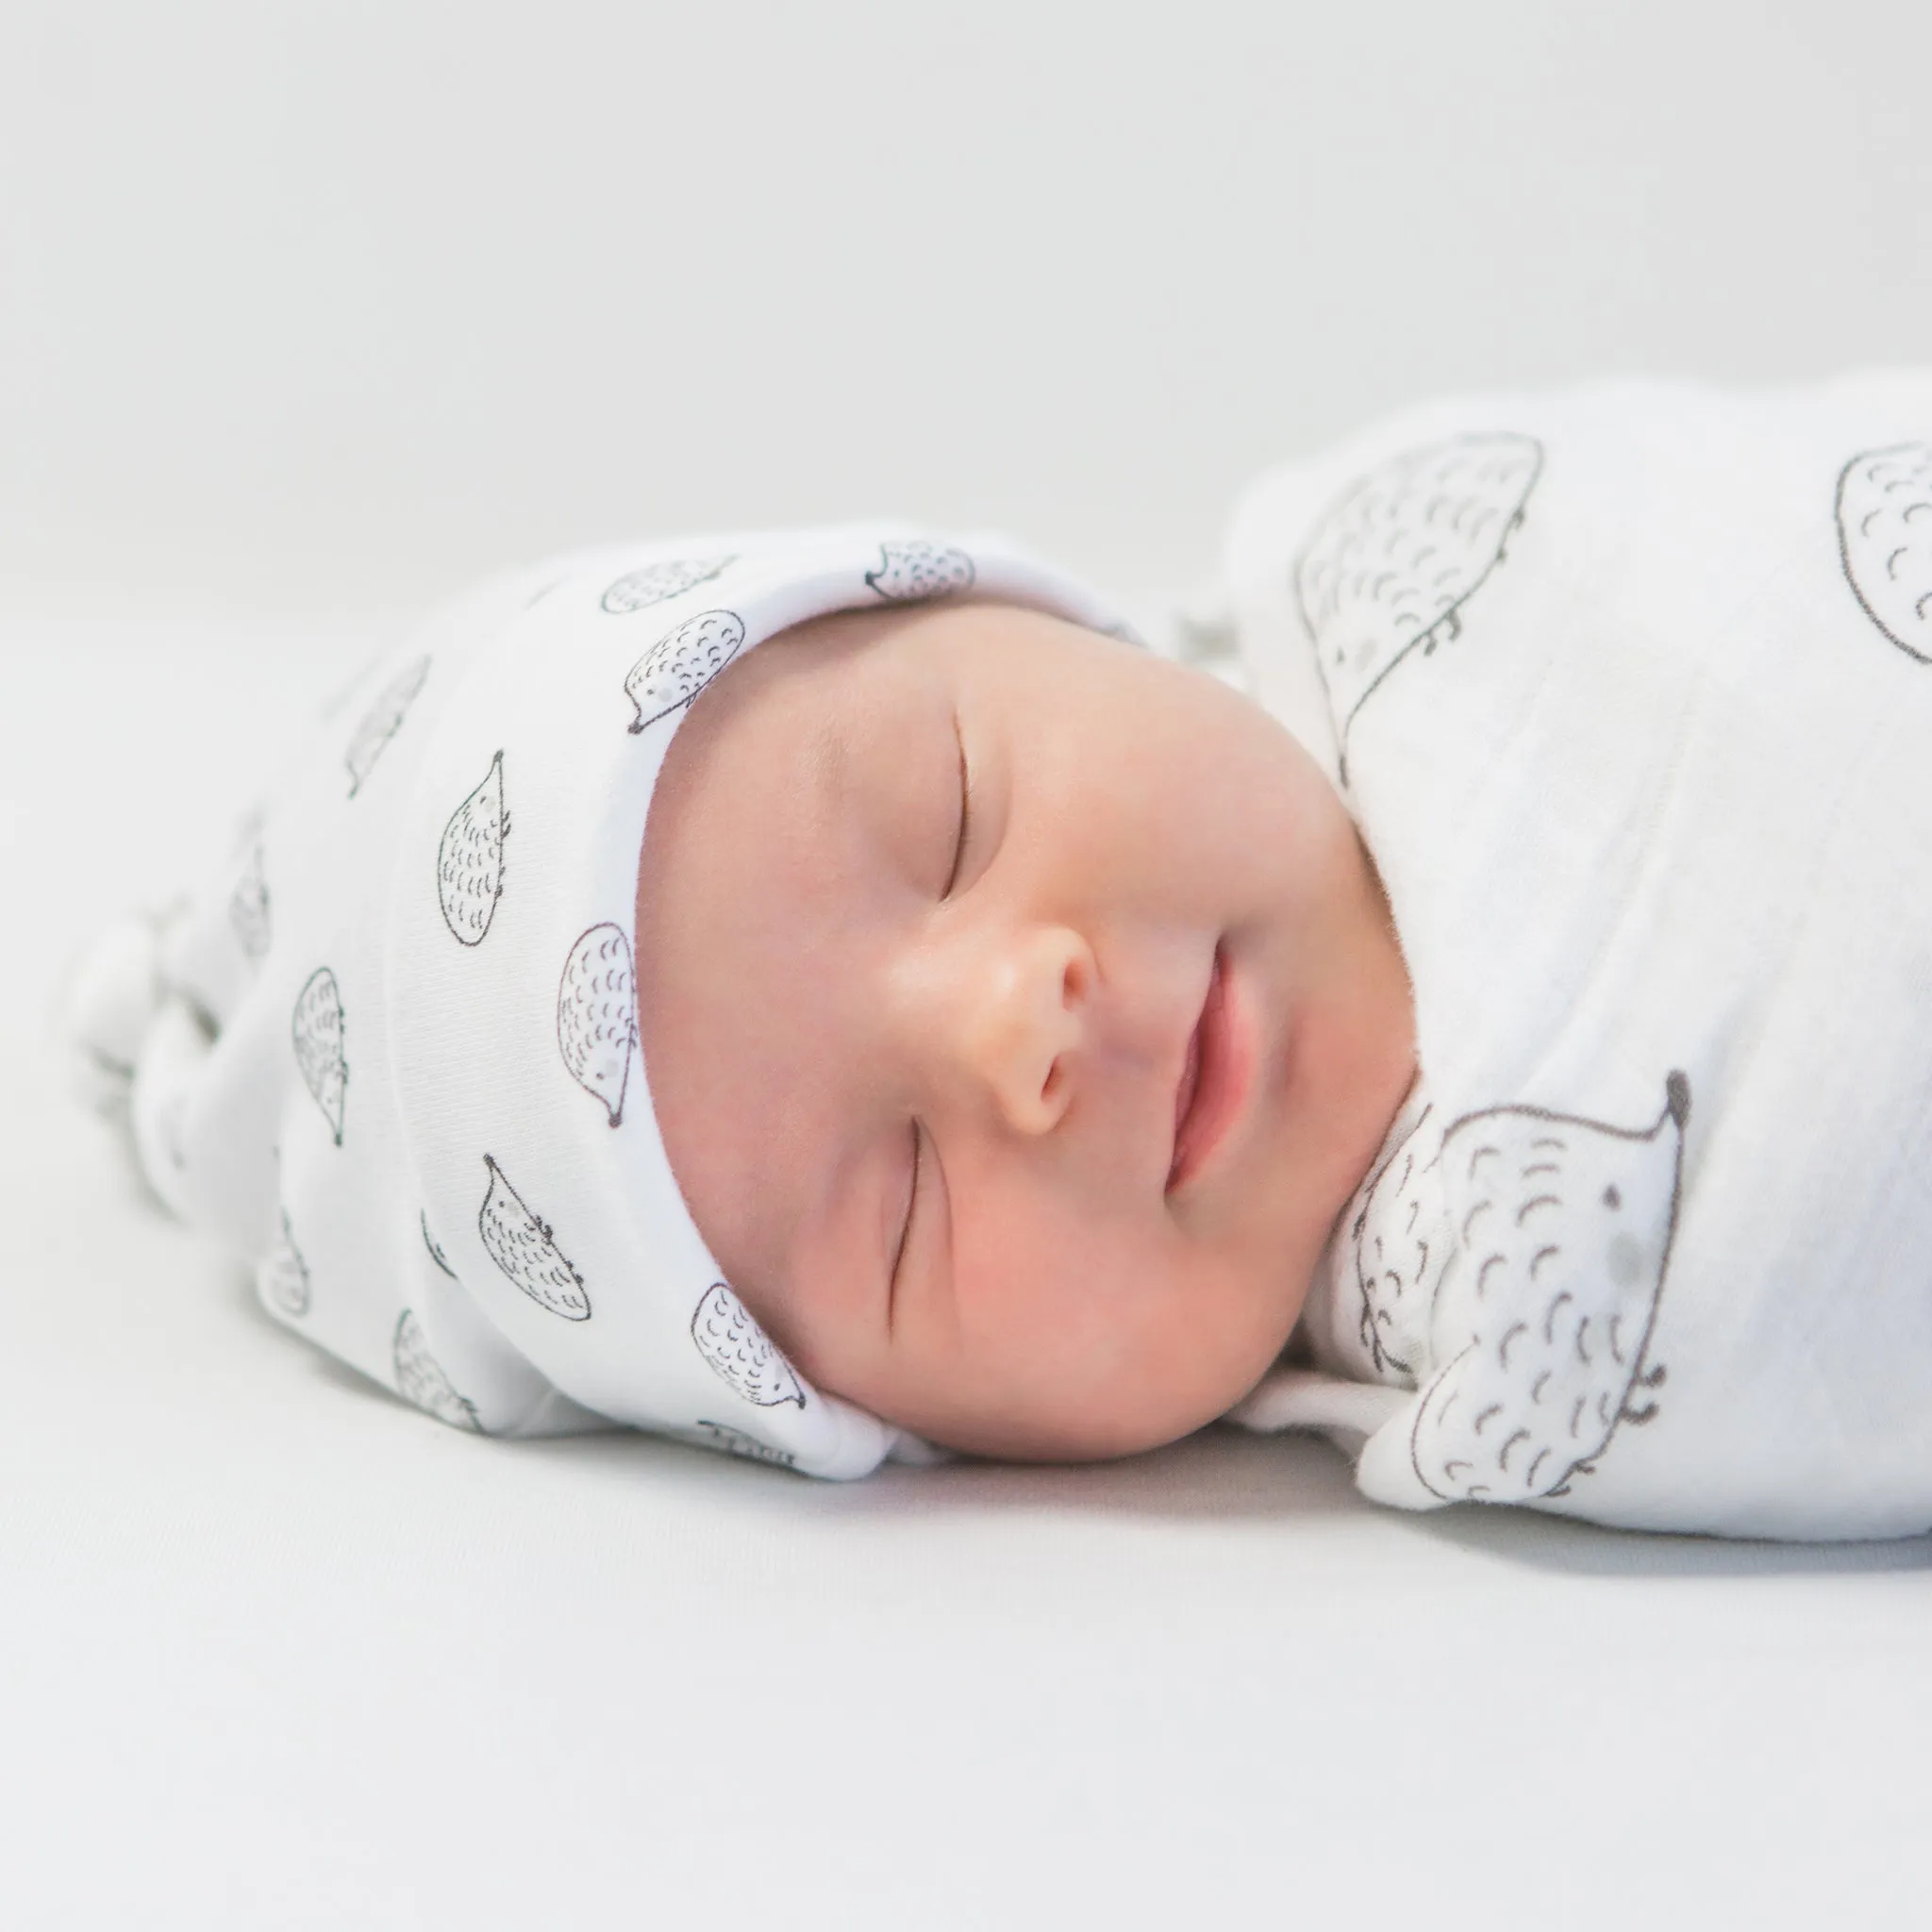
(275, 1650)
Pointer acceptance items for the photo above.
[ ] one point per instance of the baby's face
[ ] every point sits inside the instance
(1019, 1011)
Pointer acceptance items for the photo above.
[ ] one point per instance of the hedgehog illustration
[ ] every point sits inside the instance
(420, 1378)
(1391, 564)
(681, 663)
(171, 1130)
(319, 1028)
(597, 1015)
(1400, 1249)
(735, 1442)
(1563, 1230)
(382, 720)
(1885, 541)
(522, 1246)
(281, 1277)
(469, 861)
(436, 1253)
(658, 582)
(248, 829)
(911, 572)
(731, 1340)
(249, 907)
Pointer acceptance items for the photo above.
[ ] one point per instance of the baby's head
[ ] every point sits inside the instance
(1020, 1010)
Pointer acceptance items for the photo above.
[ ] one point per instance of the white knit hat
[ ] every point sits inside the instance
(395, 1052)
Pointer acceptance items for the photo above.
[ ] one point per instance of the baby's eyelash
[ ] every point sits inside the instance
(965, 814)
(906, 1231)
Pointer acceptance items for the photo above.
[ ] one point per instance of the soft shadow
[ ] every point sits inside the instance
(1227, 1475)
(1221, 1475)
(340, 1375)
(1217, 1475)
(1583, 1549)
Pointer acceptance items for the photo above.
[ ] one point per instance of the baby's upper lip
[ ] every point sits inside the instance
(1203, 1097)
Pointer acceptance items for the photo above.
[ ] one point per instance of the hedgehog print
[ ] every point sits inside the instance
(382, 720)
(171, 1130)
(249, 828)
(436, 1253)
(911, 572)
(680, 664)
(320, 1029)
(1563, 1230)
(281, 1277)
(1391, 564)
(729, 1337)
(1398, 1241)
(1885, 541)
(735, 1442)
(469, 861)
(420, 1378)
(656, 583)
(522, 1247)
(248, 908)
(597, 1016)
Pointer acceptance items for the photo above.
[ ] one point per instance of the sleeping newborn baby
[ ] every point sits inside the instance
(830, 995)
(1020, 1011)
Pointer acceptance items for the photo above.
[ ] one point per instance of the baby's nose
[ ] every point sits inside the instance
(1018, 1020)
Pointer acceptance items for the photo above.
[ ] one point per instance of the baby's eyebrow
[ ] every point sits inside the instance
(826, 767)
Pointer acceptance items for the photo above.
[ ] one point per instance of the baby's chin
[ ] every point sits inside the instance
(1102, 1426)
(1037, 1440)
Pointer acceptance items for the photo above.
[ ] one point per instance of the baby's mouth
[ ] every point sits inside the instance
(1212, 1082)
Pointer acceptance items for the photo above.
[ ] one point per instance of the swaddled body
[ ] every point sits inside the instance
(1630, 692)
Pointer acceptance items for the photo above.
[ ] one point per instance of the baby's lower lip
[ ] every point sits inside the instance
(1214, 1082)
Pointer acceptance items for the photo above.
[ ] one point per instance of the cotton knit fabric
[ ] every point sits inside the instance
(391, 1054)
(1630, 692)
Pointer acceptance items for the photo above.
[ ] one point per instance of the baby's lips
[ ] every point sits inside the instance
(1214, 1078)
(1184, 1096)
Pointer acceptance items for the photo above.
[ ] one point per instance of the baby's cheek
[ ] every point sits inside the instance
(1216, 1334)
(1063, 1329)
(1147, 1341)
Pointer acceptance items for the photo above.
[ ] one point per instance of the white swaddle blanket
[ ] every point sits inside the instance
(1630, 691)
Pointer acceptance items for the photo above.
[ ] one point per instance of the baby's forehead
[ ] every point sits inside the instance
(814, 773)
(825, 689)
(959, 623)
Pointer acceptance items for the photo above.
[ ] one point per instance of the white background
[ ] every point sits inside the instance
(333, 301)
(310, 312)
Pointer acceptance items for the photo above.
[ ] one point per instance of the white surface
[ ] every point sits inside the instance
(275, 1650)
